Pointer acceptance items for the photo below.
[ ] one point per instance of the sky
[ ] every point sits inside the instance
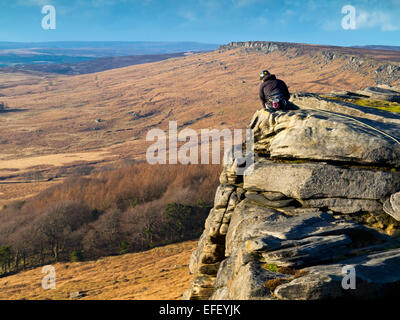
(376, 22)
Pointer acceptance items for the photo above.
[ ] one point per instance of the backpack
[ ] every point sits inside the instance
(278, 101)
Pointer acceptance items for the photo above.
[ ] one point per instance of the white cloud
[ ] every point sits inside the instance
(289, 12)
(94, 3)
(188, 15)
(365, 19)
(332, 25)
(33, 2)
(376, 19)
(244, 3)
(102, 3)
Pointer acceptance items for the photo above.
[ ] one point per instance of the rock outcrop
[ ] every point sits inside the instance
(300, 216)
(379, 93)
(392, 206)
(385, 72)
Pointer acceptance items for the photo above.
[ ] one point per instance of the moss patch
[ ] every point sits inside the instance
(270, 267)
(382, 105)
(274, 283)
(371, 103)
(296, 273)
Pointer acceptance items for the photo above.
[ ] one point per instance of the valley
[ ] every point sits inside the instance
(97, 114)
(59, 128)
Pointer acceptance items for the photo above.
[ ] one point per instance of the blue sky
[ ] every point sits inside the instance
(210, 21)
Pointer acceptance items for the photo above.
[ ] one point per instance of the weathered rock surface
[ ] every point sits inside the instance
(302, 211)
(309, 101)
(310, 250)
(318, 180)
(249, 282)
(381, 94)
(392, 206)
(246, 216)
(344, 205)
(261, 199)
(303, 226)
(377, 276)
(317, 135)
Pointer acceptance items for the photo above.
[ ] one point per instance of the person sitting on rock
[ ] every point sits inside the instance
(274, 93)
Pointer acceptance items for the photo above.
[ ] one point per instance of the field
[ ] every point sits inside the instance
(58, 121)
(158, 274)
(58, 127)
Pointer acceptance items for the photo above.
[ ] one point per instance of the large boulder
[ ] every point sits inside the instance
(245, 216)
(300, 227)
(319, 135)
(308, 251)
(380, 93)
(344, 205)
(392, 206)
(249, 283)
(321, 180)
(321, 195)
(377, 276)
(386, 120)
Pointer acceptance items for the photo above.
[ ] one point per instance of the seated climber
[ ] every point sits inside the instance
(274, 93)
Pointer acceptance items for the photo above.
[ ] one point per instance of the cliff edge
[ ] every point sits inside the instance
(321, 198)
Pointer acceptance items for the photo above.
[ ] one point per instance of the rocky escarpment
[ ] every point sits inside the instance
(357, 60)
(321, 197)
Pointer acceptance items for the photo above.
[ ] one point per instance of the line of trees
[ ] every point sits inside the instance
(3, 106)
(113, 212)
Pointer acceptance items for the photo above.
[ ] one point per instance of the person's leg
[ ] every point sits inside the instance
(268, 106)
(291, 106)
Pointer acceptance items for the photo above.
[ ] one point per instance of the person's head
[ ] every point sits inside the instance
(264, 73)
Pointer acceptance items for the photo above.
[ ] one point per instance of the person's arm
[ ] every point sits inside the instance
(262, 96)
(287, 92)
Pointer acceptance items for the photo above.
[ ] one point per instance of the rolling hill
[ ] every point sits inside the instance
(60, 123)
(57, 120)
(21, 53)
(378, 47)
(158, 274)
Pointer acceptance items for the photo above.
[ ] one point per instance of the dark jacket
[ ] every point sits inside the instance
(272, 86)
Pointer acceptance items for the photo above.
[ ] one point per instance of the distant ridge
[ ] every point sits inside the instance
(139, 47)
(378, 47)
(18, 53)
(385, 64)
(93, 65)
(373, 52)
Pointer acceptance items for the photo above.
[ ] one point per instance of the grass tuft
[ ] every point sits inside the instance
(371, 103)
(275, 283)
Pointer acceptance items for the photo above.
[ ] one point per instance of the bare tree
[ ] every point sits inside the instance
(59, 221)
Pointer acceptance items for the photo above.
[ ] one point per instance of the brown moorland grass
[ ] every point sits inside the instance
(140, 182)
(106, 116)
(55, 116)
(158, 274)
(210, 90)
